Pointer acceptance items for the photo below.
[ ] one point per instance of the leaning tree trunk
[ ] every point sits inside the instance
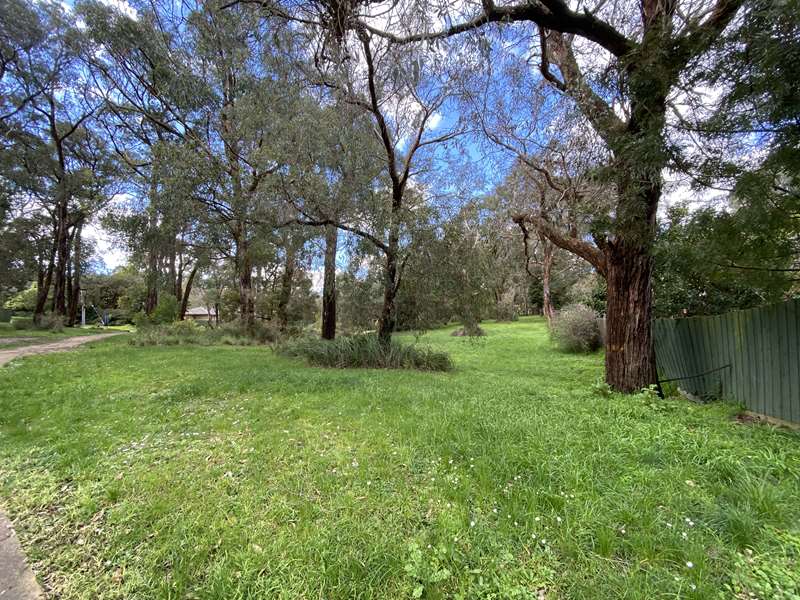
(329, 284)
(186, 291)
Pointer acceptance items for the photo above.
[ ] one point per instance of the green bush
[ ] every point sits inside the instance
(576, 328)
(505, 311)
(166, 310)
(192, 333)
(22, 323)
(51, 322)
(366, 351)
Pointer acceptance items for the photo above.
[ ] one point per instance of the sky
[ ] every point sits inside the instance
(677, 189)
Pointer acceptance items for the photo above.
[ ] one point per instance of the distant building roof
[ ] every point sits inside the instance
(200, 311)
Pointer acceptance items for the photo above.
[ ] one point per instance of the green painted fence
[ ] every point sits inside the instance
(750, 356)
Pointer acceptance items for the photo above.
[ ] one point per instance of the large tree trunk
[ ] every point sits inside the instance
(329, 284)
(186, 291)
(285, 294)
(630, 364)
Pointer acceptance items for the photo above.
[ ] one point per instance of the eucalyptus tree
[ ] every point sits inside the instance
(53, 152)
(211, 88)
(620, 64)
(399, 91)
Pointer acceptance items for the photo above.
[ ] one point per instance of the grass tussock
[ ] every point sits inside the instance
(191, 333)
(366, 351)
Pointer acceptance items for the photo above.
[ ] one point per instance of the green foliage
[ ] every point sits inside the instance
(693, 255)
(774, 574)
(48, 322)
(22, 323)
(23, 301)
(576, 328)
(51, 322)
(366, 351)
(191, 333)
(506, 311)
(166, 311)
(509, 473)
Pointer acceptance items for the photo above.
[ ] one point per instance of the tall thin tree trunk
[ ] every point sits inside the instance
(285, 294)
(43, 290)
(547, 267)
(329, 284)
(62, 254)
(244, 270)
(387, 321)
(186, 291)
(75, 288)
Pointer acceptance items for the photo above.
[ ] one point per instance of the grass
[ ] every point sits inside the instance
(229, 472)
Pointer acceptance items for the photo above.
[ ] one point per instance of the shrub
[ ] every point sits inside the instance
(192, 333)
(366, 351)
(576, 329)
(22, 323)
(166, 310)
(469, 331)
(505, 311)
(51, 322)
(258, 331)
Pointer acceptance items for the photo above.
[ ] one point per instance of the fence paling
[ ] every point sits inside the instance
(750, 356)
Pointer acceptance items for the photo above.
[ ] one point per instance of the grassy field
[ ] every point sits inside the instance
(216, 472)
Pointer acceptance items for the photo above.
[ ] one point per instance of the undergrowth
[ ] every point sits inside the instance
(366, 351)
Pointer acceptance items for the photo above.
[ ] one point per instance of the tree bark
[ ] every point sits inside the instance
(244, 269)
(547, 267)
(186, 291)
(387, 321)
(75, 287)
(45, 281)
(62, 253)
(285, 294)
(329, 284)
(630, 364)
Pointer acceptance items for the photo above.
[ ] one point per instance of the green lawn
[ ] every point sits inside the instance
(228, 472)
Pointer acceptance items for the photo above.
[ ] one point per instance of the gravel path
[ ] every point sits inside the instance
(16, 578)
(17, 581)
(67, 344)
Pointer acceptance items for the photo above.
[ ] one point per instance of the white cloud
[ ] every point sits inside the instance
(106, 249)
(123, 7)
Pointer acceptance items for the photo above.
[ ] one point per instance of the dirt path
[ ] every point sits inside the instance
(17, 581)
(67, 344)
(16, 578)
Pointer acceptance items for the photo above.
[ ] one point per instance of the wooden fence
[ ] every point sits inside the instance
(749, 356)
